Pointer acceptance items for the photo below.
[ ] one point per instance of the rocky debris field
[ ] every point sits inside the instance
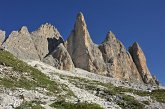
(36, 85)
(98, 89)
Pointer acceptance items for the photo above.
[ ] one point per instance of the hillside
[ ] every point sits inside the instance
(43, 86)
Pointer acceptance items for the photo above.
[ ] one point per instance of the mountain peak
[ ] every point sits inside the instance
(80, 21)
(110, 36)
(47, 30)
(136, 45)
(24, 30)
(80, 15)
(46, 27)
(140, 61)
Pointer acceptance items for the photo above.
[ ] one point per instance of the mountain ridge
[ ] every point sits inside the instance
(109, 58)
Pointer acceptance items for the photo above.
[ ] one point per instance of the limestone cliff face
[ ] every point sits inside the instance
(43, 44)
(2, 36)
(119, 62)
(49, 45)
(84, 53)
(140, 61)
(46, 39)
(21, 45)
(60, 58)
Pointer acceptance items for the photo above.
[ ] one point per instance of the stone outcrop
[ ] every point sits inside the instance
(2, 36)
(44, 44)
(49, 45)
(84, 53)
(46, 39)
(60, 58)
(119, 62)
(140, 61)
(20, 44)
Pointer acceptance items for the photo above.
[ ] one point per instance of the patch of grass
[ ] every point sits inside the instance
(158, 95)
(81, 105)
(39, 79)
(68, 92)
(128, 102)
(6, 82)
(92, 84)
(30, 105)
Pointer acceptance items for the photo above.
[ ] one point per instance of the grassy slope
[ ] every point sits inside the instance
(82, 105)
(39, 80)
(158, 95)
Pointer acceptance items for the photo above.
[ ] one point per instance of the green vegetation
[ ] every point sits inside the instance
(30, 105)
(38, 78)
(110, 89)
(67, 105)
(68, 92)
(158, 95)
(128, 102)
(41, 80)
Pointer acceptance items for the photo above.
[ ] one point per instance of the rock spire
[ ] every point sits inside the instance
(119, 62)
(84, 53)
(140, 61)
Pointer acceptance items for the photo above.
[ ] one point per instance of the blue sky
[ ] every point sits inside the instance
(131, 20)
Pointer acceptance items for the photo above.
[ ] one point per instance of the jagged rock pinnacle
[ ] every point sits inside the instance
(136, 46)
(24, 30)
(80, 14)
(110, 37)
(20, 44)
(115, 54)
(46, 26)
(46, 39)
(140, 61)
(81, 48)
(80, 21)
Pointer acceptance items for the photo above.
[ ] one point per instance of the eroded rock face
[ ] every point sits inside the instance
(43, 44)
(84, 53)
(60, 58)
(2, 36)
(50, 48)
(21, 45)
(140, 61)
(46, 39)
(119, 62)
